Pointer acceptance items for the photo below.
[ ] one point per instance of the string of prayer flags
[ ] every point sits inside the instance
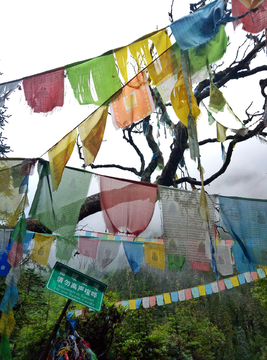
(134, 103)
(91, 132)
(124, 237)
(59, 156)
(255, 21)
(194, 292)
(46, 91)
(94, 81)
(199, 27)
(41, 249)
(180, 101)
(141, 50)
(59, 210)
(127, 206)
(155, 255)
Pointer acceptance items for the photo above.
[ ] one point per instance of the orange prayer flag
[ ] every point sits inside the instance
(59, 156)
(91, 132)
(133, 104)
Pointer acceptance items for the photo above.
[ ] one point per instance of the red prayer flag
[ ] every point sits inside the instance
(88, 247)
(15, 254)
(253, 22)
(152, 300)
(46, 91)
(127, 206)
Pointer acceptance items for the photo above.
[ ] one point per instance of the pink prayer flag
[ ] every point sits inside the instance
(46, 91)
(88, 247)
(15, 254)
(254, 275)
(221, 285)
(152, 300)
(127, 206)
(228, 242)
(188, 294)
(118, 303)
(253, 22)
(201, 266)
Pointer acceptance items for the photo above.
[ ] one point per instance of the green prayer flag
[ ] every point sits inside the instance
(65, 247)
(94, 81)
(175, 261)
(217, 100)
(19, 232)
(193, 142)
(211, 118)
(5, 352)
(59, 210)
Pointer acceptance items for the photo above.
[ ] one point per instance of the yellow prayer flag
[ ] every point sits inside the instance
(91, 132)
(203, 205)
(202, 290)
(264, 268)
(234, 280)
(251, 4)
(180, 102)
(221, 132)
(167, 298)
(41, 249)
(59, 156)
(132, 304)
(155, 254)
(141, 51)
(7, 323)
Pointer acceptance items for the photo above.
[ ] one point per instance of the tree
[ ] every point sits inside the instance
(244, 64)
(4, 148)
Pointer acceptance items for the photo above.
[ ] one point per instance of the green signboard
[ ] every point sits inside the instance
(76, 286)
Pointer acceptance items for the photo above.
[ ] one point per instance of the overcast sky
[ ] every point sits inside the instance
(37, 38)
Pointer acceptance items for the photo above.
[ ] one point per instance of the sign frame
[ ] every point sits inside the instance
(76, 286)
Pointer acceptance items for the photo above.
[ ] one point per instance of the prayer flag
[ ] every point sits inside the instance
(234, 280)
(145, 302)
(180, 102)
(174, 296)
(248, 276)
(88, 247)
(195, 292)
(198, 27)
(134, 103)
(261, 273)
(41, 249)
(7, 324)
(175, 261)
(202, 290)
(228, 283)
(152, 300)
(141, 49)
(201, 266)
(138, 303)
(59, 155)
(208, 289)
(221, 285)
(125, 303)
(181, 295)
(94, 81)
(251, 4)
(254, 275)
(65, 247)
(241, 279)
(13, 277)
(155, 255)
(217, 100)
(134, 254)
(215, 287)
(5, 351)
(4, 265)
(221, 132)
(188, 294)
(167, 298)
(106, 253)
(159, 299)
(255, 21)
(132, 305)
(59, 210)
(127, 206)
(4, 238)
(46, 91)
(15, 254)
(91, 132)
(9, 299)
